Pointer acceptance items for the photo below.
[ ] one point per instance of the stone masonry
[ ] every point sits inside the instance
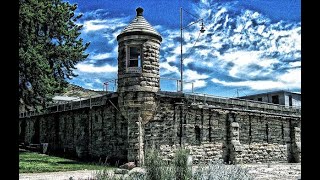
(212, 133)
(123, 126)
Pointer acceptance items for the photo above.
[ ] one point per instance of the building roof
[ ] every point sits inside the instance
(271, 92)
(139, 25)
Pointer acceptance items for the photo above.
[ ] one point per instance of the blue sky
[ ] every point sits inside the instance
(248, 47)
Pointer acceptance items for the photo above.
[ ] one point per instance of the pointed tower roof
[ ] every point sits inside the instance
(139, 26)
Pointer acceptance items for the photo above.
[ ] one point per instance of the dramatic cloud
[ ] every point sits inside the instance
(193, 77)
(168, 69)
(101, 56)
(241, 48)
(89, 68)
(103, 24)
(239, 45)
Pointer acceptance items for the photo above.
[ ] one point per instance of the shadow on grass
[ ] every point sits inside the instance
(37, 161)
(69, 162)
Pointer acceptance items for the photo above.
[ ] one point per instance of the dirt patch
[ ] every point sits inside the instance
(275, 171)
(74, 175)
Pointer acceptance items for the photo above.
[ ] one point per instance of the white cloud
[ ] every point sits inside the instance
(89, 68)
(172, 58)
(243, 59)
(194, 75)
(207, 64)
(101, 56)
(196, 84)
(232, 46)
(295, 64)
(98, 81)
(291, 79)
(256, 85)
(94, 25)
(100, 24)
(168, 69)
(88, 85)
(187, 61)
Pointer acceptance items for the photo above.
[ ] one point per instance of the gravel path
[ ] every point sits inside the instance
(259, 171)
(76, 175)
(275, 171)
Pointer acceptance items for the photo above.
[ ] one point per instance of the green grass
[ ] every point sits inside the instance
(30, 162)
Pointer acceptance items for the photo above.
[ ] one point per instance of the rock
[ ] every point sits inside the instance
(137, 170)
(135, 173)
(128, 165)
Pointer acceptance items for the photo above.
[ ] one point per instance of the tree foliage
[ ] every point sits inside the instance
(49, 48)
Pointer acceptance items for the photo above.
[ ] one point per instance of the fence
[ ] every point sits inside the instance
(83, 102)
(240, 103)
(174, 86)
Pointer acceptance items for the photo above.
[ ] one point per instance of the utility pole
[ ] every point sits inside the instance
(181, 61)
(181, 41)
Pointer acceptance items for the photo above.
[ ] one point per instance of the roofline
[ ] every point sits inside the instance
(139, 33)
(271, 92)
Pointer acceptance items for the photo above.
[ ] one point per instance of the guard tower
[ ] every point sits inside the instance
(138, 80)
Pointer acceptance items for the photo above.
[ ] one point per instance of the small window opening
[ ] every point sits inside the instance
(135, 57)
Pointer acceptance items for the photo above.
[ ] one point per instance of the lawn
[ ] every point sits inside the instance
(31, 162)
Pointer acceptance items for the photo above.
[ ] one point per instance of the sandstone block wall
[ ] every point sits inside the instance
(264, 153)
(220, 131)
(204, 153)
(213, 131)
(97, 132)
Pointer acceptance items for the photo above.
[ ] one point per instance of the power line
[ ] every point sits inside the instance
(192, 46)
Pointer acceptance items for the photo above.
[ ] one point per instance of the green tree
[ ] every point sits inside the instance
(49, 48)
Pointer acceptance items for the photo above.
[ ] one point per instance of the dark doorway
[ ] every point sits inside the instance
(36, 135)
(197, 131)
(290, 100)
(22, 134)
(275, 99)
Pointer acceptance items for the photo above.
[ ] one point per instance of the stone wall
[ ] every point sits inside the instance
(224, 132)
(214, 130)
(97, 132)
(264, 153)
(203, 153)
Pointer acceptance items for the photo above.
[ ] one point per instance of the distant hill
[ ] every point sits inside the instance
(73, 90)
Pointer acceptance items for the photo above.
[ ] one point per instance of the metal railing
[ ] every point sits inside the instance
(177, 83)
(240, 103)
(83, 102)
(190, 95)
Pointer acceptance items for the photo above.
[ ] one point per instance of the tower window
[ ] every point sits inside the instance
(134, 59)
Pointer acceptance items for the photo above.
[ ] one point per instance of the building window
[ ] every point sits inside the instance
(134, 59)
(260, 99)
(275, 99)
(290, 100)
